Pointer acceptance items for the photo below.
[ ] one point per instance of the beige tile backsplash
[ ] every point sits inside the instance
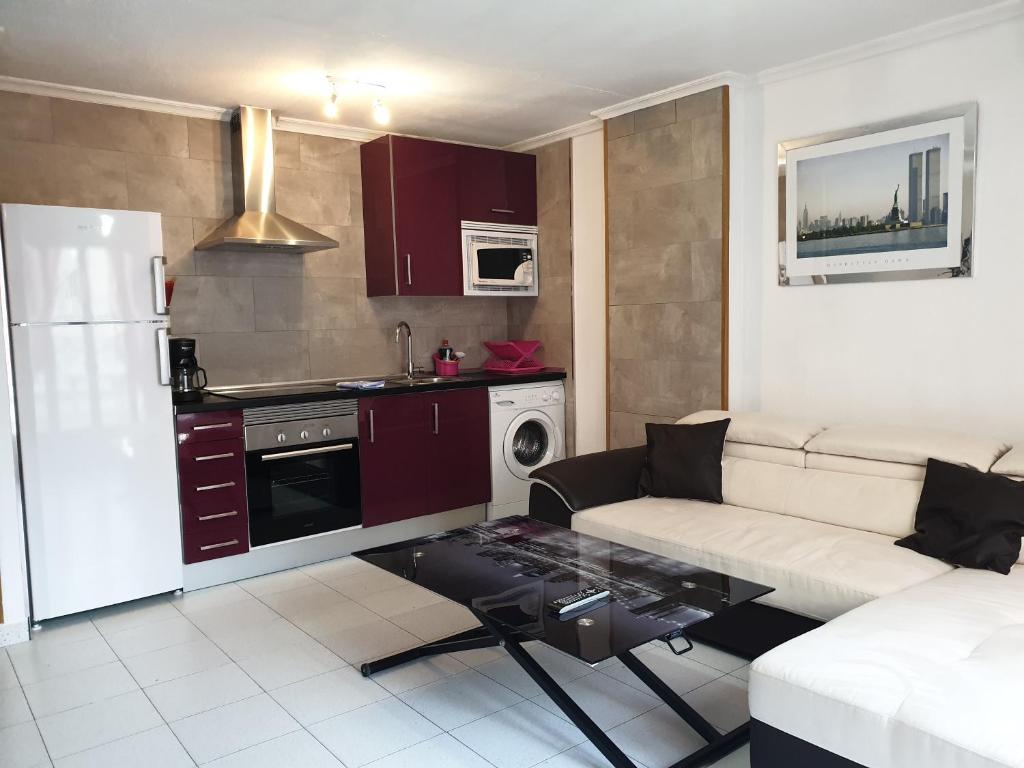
(665, 223)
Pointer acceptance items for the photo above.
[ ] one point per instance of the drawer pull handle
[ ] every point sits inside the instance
(216, 486)
(213, 456)
(203, 427)
(502, 210)
(218, 516)
(207, 547)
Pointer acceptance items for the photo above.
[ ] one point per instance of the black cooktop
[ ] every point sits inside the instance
(285, 390)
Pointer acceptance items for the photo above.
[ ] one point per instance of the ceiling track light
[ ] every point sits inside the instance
(381, 113)
(331, 107)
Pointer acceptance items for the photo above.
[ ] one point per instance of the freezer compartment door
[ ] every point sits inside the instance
(68, 265)
(98, 456)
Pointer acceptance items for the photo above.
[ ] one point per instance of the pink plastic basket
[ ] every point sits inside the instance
(446, 367)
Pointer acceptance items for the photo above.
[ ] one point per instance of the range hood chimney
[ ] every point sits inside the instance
(256, 224)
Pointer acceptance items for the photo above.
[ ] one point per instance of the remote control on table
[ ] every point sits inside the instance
(577, 600)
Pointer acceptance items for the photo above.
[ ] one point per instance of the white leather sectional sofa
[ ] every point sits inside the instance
(920, 664)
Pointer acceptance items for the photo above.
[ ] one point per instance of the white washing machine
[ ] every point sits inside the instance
(527, 432)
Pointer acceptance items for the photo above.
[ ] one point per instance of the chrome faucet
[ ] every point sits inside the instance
(409, 370)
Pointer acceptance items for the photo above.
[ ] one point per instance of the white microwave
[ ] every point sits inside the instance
(499, 259)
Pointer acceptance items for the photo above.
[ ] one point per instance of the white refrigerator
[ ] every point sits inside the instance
(88, 334)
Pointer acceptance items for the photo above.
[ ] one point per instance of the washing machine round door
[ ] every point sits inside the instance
(531, 441)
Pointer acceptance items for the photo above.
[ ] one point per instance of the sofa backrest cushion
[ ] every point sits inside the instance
(864, 466)
(907, 446)
(1011, 464)
(760, 428)
(884, 505)
(790, 457)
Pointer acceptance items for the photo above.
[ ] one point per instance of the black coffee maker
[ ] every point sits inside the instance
(186, 383)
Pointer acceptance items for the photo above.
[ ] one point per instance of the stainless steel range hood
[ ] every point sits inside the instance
(256, 224)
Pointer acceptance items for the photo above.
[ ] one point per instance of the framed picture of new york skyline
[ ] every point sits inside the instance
(892, 201)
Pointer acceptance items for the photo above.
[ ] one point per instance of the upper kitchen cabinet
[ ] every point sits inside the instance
(497, 187)
(411, 217)
(416, 193)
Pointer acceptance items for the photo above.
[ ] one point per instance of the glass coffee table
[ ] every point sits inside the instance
(507, 571)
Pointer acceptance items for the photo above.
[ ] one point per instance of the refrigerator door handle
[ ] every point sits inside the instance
(163, 353)
(159, 289)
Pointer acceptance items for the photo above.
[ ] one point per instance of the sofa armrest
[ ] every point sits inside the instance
(591, 480)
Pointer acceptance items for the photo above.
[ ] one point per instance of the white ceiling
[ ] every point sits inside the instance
(472, 70)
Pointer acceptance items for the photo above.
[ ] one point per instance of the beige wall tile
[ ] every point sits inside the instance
(554, 174)
(698, 104)
(354, 352)
(209, 140)
(249, 264)
(474, 310)
(676, 213)
(622, 125)
(347, 260)
(205, 303)
(23, 116)
(627, 429)
(324, 153)
(81, 124)
(298, 304)
(652, 158)
(667, 388)
(654, 117)
(648, 275)
(50, 174)
(286, 150)
(253, 358)
(315, 197)
(683, 331)
(177, 236)
(179, 186)
(706, 270)
(386, 311)
(707, 146)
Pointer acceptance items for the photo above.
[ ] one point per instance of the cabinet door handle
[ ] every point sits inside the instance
(218, 516)
(371, 426)
(216, 486)
(306, 452)
(436, 425)
(159, 286)
(218, 546)
(408, 269)
(502, 210)
(203, 427)
(213, 456)
(163, 356)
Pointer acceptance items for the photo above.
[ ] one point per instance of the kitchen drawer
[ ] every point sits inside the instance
(219, 540)
(197, 503)
(208, 426)
(202, 463)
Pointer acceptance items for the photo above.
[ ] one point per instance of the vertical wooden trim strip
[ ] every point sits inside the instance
(725, 248)
(607, 303)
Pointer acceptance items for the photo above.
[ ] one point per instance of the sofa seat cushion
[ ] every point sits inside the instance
(930, 676)
(818, 570)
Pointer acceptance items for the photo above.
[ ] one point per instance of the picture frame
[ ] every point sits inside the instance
(882, 202)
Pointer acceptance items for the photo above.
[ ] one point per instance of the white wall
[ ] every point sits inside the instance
(941, 353)
(588, 292)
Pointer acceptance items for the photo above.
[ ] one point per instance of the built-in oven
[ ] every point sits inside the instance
(499, 259)
(302, 469)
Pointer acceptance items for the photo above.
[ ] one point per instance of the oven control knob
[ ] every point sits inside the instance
(326, 432)
(281, 437)
(304, 435)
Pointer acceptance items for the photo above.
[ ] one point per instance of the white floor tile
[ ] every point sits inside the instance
(738, 759)
(58, 694)
(338, 568)
(480, 656)
(413, 675)
(325, 696)
(157, 748)
(246, 643)
(118, 618)
(237, 726)
(282, 581)
(658, 738)
(331, 618)
(460, 699)
(211, 597)
(295, 750)
(436, 621)
(98, 723)
(21, 746)
(13, 707)
(743, 673)
(680, 673)
(202, 691)
(363, 735)
(520, 736)
(232, 618)
(585, 755)
(720, 660)
(35, 662)
(68, 629)
(562, 667)
(440, 752)
(312, 598)
(174, 662)
(508, 672)
(7, 677)
(290, 663)
(722, 702)
(359, 582)
(608, 701)
(153, 636)
(373, 640)
(402, 599)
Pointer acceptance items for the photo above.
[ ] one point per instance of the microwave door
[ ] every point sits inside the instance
(499, 265)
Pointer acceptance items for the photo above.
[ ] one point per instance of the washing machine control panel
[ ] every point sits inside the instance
(527, 397)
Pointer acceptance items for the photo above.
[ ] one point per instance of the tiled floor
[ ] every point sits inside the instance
(264, 673)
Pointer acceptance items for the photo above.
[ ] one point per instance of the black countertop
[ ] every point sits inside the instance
(470, 378)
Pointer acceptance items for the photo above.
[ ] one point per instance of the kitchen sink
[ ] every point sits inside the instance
(417, 381)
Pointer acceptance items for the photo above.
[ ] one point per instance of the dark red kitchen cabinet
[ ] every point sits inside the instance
(458, 455)
(393, 434)
(497, 186)
(411, 217)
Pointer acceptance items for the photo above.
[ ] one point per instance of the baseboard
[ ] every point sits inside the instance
(772, 748)
(13, 632)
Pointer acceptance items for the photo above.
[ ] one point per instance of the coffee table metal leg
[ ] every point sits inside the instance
(471, 639)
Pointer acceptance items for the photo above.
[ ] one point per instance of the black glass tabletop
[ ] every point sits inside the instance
(510, 569)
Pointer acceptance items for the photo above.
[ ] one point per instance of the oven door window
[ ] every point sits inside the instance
(501, 264)
(299, 491)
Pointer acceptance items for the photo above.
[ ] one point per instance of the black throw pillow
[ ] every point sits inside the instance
(969, 518)
(684, 461)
